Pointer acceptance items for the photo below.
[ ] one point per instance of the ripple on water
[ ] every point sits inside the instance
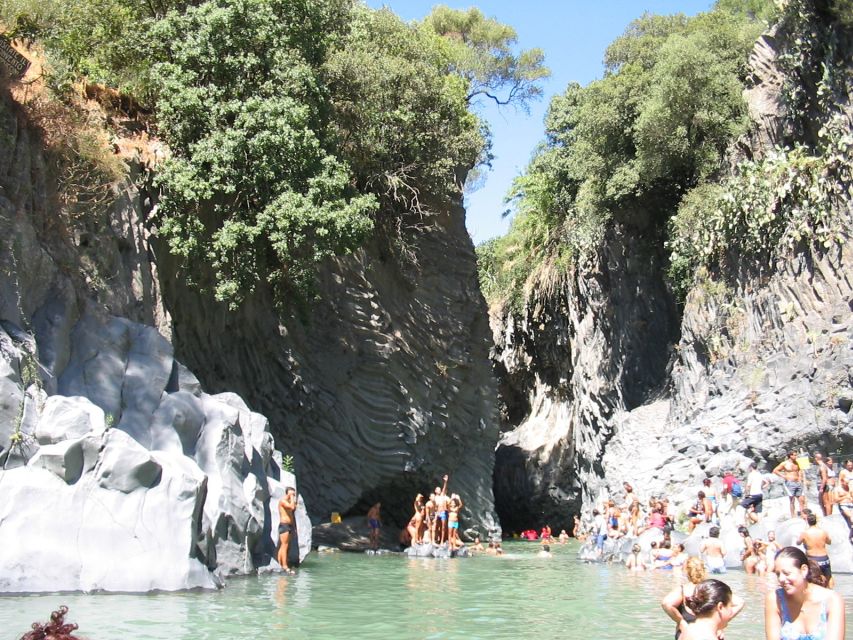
(344, 595)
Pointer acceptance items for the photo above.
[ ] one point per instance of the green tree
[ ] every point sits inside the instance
(629, 146)
(252, 187)
(480, 49)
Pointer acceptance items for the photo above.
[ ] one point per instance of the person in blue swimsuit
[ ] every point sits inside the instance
(802, 608)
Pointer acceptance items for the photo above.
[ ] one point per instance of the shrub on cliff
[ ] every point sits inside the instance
(628, 147)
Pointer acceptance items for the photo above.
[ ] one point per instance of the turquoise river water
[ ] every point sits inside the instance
(390, 596)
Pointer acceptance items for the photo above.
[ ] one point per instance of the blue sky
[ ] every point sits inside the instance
(573, 35)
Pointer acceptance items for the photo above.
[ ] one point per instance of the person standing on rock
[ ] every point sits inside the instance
(815, 540)
(374, 521)
(792, 475)
(287, 524)
(441, 502)
(823, 488)
(755, 484)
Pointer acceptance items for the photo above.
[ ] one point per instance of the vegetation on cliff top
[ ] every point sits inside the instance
(646, 147)
(294, 127)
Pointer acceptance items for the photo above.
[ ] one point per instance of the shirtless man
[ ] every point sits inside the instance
(714, 551)
(441, 502)
(791, 473)
(287, 524)
(815, 539)
(374, 521)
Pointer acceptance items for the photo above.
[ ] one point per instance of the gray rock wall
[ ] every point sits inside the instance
(757, 366)
(380, 388)
(118, 472)
(598, 346)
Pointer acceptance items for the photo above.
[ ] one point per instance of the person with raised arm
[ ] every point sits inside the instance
(286, 526)
(714, 606)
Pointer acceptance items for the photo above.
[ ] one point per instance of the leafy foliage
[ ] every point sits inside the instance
(628, 147)
(399, 118)
(252, 188)
(293, 125)
(480, 50)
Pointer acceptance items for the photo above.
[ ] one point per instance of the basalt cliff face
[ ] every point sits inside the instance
(580, 356)
(385, 387)
(119, 472)
(602, 382)
(117, 393)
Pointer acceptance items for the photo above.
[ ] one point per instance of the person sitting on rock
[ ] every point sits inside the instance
(701, 511)
(287, 524)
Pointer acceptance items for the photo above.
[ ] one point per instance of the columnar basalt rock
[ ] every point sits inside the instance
(381, 388)
(118, 472)
(598, 346)
(599, 388)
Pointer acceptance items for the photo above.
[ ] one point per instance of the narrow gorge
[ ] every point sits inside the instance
(160, 420)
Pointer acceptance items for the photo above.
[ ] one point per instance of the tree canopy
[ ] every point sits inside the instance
(294, 126)
(630, 145)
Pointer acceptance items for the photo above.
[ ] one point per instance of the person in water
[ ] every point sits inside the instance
(56, 629)
(714, 606)
(634, 561)
(674, 604)
(374, 522)
(815, 540)
(287, 524)
(713, 551)
(802, 608)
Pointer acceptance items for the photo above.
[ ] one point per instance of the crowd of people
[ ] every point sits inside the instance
(435, 520)
(631, 517)
(802, 607)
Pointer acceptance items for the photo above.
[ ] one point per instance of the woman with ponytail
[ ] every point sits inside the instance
(802, 608)
(713, 605)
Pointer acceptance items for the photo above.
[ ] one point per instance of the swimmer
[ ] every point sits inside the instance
(563, 537)
(477, 546)
(713, 551)
(679, 556)
(815, 540)
(714, 606)
(545, 552)
(674, 602)
(770, 550)
(802, 607)
(634, 562)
